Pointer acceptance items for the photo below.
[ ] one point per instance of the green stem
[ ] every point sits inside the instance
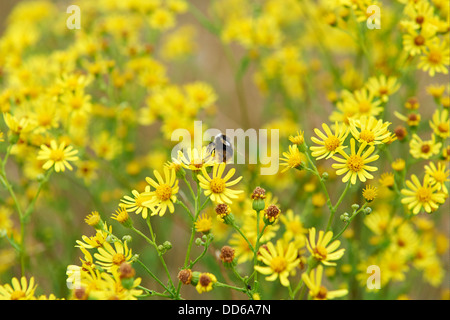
(152, 274)
(333, 211)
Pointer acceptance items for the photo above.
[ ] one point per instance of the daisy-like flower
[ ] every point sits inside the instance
(415, 41)
(435, 59)
(195, 159)
(139, 202)
(363, 103)
(94, 241)
(57, 156)
(422, 196)
(121, 216)
(23, 290)
(330, 142)
(279, 261)
(110, 257)
(165, 192)
(294, 159)
(94, 219)
(298, 139)
(201, 94)
(203, 223)
(354, 166)
(412, 119)
(382, 86)
(370, 193)
(313, 281)
(440, 123)
(438, 175)
(323, 250)
(424, 149)
(387, 179)
(206, 282)
(162, 19)
(370, 130)
(217, 187)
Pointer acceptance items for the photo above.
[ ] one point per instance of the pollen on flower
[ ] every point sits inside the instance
(355, 163)
(217, 185)
(331, 143)
(163, 192)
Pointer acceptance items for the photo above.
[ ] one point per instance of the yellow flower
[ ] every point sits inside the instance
(435, 59)
(294, 159)
(58, 157)
(382, 86)
(162, 19)
(387, 179)
(200, 94)
(370, 193)
(165, 194)
(194, 159)
(398, 164)
(323, 250)
(203, 223)
(440, 123)
(139, 202)
(355, 165)
(416, 40)
(424, 149)
(371, 130)
(313, 281)
(217, 188)
(92, 242)
(362, 103)
(110, 257)
(298, 139)
(412, 119)
(422, 196)
(279, 261)
(206, 282)
(23, 290)
(121, 216)
(330, 143)
(438, 175)
(93, 219)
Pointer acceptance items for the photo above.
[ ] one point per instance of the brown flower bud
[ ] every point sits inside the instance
(185, 276)
(227, 254)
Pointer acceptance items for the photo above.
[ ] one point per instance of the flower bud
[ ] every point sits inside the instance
(185, 276)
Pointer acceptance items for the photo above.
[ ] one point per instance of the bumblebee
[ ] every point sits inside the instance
(220, 148)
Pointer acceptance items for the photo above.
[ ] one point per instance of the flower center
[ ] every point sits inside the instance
(420, 19)
(367, 136)
(322, 294)
(440, 176)
(355, 163)
(16, 295)
(118, 258)
(332, 143)
(278, 264)
(443, 127)
(425, 148)
(205, 280)
(320, 252)
(383, 91)
(419, 40)
(295, 161)
(364, 106)
(163, 192)
(57, 155)
(217, 185)
(424, 194)
(435, 57)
